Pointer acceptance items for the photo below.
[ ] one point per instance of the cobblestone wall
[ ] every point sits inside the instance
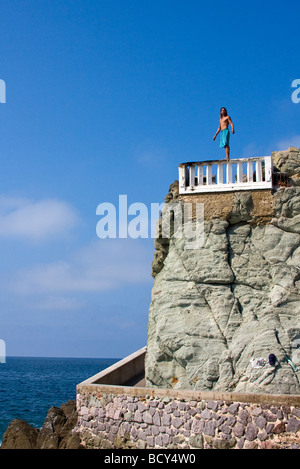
(120, 420)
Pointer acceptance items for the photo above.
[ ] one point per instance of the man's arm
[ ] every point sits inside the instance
(219, 129)
(231, 123)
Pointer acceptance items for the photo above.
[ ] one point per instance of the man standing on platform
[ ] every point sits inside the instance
(225, 120)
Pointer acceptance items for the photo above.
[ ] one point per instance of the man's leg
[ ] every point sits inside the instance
(227, 151)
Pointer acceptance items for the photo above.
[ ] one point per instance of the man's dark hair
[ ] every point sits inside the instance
(225, 110)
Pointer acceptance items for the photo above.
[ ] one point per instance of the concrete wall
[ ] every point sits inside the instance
(147, 418)
(129, 372)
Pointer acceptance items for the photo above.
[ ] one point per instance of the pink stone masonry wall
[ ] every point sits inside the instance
(111, 419)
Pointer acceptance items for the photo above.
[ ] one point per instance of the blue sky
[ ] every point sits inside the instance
(105, 98)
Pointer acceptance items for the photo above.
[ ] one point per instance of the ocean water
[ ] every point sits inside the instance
(30, 386)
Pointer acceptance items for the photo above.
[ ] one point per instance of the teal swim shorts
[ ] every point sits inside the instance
(224, 138)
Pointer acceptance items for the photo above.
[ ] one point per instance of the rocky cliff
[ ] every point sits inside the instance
(219, 311)
(56, 432)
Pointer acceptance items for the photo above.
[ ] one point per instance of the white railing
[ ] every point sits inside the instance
(226, 175)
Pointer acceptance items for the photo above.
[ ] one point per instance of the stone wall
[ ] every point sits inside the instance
(257, 205)
(117, 417)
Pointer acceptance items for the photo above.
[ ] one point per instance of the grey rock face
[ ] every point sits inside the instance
(217, 309)
(288, 162)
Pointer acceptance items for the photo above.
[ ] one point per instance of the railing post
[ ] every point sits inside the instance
(229, 173)
(200, 175)
(192, 175)
(249, 171)
(181, 171)
(239, 172)
(209, 174)
(258, 171)
(268, 168)
(220, 174)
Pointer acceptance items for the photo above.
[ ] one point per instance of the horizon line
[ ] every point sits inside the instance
(79, 358)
